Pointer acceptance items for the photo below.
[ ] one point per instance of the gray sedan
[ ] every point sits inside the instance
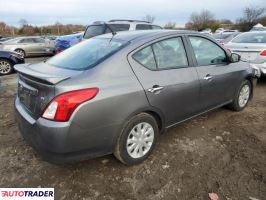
(251, 46)
(116, 93)
(28, 46)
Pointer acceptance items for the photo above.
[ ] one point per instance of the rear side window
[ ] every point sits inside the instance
(118, 27)
(170, 53)
(87, 54)
(250, 38)
(207, 52)
(166, 54)
(143, 27)
(93, 31)
(146, 58)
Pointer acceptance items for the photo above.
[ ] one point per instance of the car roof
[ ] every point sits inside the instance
(133, 35)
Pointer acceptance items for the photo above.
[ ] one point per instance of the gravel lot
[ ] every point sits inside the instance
(222, 152)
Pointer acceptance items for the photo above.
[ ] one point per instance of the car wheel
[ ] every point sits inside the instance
(6, 67)
(137, 139)
(242, 97)
(21, 52)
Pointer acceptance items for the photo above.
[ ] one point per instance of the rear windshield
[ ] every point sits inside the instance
(250, 38)
(87, 54)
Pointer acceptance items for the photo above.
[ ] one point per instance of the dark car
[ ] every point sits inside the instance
(115, 93)
(8, 60)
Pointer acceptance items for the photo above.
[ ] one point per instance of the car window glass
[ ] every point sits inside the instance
(156, 27)
(87, 54)
(250, 38)
(26, 40)
(118, 27)
(170, 53)
(207, 52)
(94, 30)
(146, 58)
(143, 27)
(38, 40)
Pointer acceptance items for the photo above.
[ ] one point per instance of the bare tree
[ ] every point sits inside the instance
(170, 25)
(149, 18)
(23, 22)
(201, 20)
(252, 14)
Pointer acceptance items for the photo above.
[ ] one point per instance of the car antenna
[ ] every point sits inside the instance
(112, 31)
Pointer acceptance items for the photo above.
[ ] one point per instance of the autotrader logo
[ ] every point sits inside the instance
(26, 193)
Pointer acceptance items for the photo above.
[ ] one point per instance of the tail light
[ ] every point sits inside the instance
(263, 53)
(62, 106)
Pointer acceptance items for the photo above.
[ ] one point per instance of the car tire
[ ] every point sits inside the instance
(21, 52)
(242, 97)
(6, 67)
(137, 139)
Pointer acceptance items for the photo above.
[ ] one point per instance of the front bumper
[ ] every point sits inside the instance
(261, 67)
(58, 142)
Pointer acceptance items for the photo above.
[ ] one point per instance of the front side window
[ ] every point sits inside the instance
(146, 58)
(87, 54)
(207, 52)
(250, 38)
(170, 53)
(39, 40)
(26, 40)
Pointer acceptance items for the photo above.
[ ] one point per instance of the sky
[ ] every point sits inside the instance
(84, 12)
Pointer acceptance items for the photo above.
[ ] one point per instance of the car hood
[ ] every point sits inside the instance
(45, 72)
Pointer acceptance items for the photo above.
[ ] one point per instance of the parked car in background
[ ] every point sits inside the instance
(64, 42)
(258, 27)
(251, 46)
(219, 30)
(225, 37)
(116, 92)
(8, 60)
(117, 25)
(206, 31)
(28, 46)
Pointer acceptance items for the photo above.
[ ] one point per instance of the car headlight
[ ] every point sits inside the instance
(256, 69)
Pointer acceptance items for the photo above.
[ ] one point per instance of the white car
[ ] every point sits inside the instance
(117, 25)
(251, 46)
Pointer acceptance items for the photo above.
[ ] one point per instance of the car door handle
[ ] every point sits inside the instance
(208, 77)
(155, 89)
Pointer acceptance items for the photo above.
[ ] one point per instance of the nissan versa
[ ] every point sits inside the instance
(116, 92)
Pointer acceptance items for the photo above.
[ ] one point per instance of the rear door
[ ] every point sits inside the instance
(218, 77)
(168, 78)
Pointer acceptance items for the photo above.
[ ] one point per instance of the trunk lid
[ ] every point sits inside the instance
(36, 85)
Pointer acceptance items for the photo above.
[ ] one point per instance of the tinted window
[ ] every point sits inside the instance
(146, 58)
(143, 27)
(250, 38)
(156, 27)
(38, 40)
(118, 27)
(207, 52)
(87, 54)
(26, 40)
(170, 53)
(93, 31)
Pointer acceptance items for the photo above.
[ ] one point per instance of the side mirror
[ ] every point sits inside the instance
(235, 58)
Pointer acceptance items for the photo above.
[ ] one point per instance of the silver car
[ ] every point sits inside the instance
(116, 93)
(28, 46)
(251, 46)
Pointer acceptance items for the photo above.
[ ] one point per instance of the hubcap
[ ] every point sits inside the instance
(244, 96)
(5, 67)
(20, 52)
(140, 140)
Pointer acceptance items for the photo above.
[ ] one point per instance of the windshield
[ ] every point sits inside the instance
(250, 38)
(87, 54)
(221, 36)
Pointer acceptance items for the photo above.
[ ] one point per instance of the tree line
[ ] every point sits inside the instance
(197, 21)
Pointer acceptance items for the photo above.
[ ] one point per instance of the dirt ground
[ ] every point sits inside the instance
(222, 152)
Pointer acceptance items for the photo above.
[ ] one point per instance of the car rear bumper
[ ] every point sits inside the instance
(59, 142)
